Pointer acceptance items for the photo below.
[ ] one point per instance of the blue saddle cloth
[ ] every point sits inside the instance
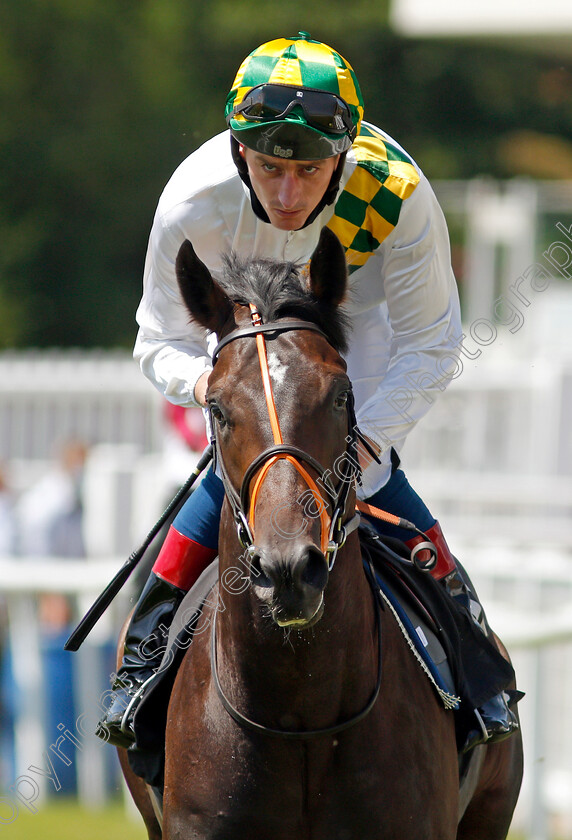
(478, 671)
(422, 635)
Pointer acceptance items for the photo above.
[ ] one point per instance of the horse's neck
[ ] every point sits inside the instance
(337, 656)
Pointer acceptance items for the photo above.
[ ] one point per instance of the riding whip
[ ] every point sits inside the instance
(97, 609)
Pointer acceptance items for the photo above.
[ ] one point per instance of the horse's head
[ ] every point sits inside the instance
(280, 405)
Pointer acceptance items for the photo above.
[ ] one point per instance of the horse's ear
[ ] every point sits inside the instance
(328, 270)
(203, 297)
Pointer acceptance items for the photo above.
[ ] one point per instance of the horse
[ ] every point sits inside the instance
(300, 711)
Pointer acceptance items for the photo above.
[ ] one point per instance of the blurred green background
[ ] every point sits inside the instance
(100, 101)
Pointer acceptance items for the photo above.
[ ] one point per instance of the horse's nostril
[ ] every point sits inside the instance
(306, 566)
(314, 571)
(257, 575)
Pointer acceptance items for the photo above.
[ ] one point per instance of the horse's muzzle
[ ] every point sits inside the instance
(291, 585)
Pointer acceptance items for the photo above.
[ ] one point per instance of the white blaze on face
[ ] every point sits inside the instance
(276, 369)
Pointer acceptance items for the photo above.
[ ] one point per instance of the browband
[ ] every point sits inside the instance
(272, 327)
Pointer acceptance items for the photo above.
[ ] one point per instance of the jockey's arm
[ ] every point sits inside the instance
(201, 388)
(424, 316)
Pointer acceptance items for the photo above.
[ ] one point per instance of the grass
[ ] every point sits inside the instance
(66, 820)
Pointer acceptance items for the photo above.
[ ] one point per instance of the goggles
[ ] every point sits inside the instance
(323, 111)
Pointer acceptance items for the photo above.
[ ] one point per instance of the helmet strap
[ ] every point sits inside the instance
(242, 168)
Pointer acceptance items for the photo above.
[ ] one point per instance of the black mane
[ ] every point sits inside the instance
(278, 290)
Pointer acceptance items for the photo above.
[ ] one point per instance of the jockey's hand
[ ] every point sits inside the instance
(201, 388)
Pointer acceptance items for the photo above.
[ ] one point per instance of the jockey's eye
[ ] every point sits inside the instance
(341, 400)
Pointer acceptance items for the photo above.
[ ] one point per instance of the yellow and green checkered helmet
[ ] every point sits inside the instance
(295, 98)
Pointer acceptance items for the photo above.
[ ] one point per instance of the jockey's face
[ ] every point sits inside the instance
(288, 189)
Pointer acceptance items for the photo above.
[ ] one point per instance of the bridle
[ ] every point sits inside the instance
(334, 530)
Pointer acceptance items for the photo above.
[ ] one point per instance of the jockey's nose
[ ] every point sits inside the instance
(290, 191)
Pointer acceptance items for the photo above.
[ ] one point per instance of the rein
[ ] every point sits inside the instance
(333, 530)
(302, 734)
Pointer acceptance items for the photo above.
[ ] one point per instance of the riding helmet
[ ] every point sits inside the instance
(295, 98)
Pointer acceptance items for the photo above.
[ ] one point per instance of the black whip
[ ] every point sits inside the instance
(99, 606)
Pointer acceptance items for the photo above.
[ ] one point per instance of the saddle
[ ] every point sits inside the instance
(463, 666)
(464, 662)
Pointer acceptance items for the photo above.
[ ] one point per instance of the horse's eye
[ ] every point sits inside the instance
(341, 400)
(217, 414)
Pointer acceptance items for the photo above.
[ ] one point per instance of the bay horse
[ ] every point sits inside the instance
(301, 713)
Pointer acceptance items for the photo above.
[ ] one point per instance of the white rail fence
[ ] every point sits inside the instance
(526, 588)
(52, 742)
(49, 397)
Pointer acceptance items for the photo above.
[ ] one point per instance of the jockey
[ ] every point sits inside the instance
(298, 156)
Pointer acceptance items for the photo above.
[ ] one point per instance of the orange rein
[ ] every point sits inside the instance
(277, 434)
(363, 507)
